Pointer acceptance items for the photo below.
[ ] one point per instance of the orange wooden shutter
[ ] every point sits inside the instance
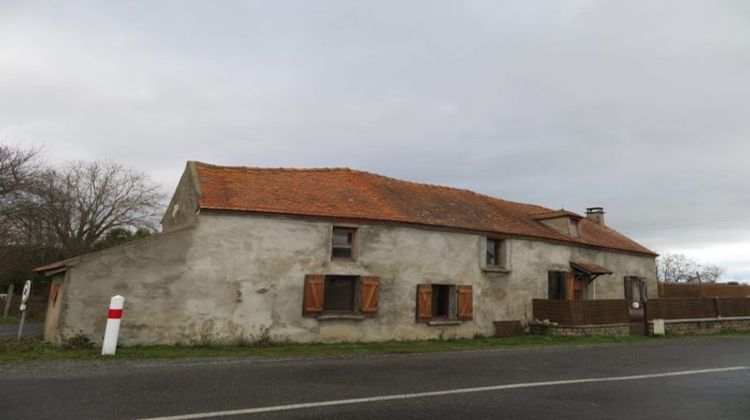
(370, 294)
(313, 303)
(53, 293)
(424, 302)
(465, 302)
(569, 280)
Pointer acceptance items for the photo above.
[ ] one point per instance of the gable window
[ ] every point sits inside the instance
(340, 295)
(342, 243)
(575, 228)
(495, 254)
(444, 302)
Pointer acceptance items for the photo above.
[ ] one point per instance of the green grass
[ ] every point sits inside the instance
(8, 320)
(26, 350)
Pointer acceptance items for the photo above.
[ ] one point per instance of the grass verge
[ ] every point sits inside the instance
(8, 320)
(27, 350)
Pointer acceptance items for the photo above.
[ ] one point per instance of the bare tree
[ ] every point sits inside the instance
(18, 168)
(82, 201)
(681, 268)
(711, 273)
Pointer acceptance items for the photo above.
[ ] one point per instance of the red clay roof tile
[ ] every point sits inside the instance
(351, 194)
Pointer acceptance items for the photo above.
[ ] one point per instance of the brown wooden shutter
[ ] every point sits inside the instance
(628, 289)
(465, 302)
(370, 294)
(569, 280)
(313, 303)
(424, 302)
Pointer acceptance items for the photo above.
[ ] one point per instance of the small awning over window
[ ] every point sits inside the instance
(589, 268)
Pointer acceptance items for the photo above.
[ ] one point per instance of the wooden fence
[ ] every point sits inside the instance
(581, 312)
(674, 290)
(689, 308)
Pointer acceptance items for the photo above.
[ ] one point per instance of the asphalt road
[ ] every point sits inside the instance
(29, 330)
(657, 379)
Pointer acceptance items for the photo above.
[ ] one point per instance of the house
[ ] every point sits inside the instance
(310, 255)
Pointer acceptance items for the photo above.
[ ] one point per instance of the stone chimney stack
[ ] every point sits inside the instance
(595, 214)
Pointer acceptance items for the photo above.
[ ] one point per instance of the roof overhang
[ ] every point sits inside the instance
(589, 268)
(51, 269)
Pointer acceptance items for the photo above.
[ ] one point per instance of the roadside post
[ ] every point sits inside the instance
(113, 325)
(24, 297)
(8, 298)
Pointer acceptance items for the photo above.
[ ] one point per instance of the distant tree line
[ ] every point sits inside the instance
(50, 212)
(676, 268)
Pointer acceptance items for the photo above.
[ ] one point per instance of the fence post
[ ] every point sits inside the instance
(716, 305)
(7, 301)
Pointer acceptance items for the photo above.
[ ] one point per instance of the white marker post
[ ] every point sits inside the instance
(24, 298)
(113, 325)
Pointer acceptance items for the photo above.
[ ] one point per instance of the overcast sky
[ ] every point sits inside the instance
(640, 107)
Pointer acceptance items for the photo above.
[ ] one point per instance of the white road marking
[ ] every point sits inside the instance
(438, 393)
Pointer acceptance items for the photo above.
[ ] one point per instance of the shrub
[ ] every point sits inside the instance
(78, 342)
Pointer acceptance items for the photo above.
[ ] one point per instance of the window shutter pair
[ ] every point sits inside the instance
(630, 283)
(465, 302)
(315, 286)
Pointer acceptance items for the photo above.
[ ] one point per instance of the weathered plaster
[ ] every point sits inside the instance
(239, 276)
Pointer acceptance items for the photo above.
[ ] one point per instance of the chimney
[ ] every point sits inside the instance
(595, 214)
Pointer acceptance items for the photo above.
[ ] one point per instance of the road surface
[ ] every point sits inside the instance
(668, 379)
(29, 330)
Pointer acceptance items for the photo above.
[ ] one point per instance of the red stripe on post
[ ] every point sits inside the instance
(115, 314)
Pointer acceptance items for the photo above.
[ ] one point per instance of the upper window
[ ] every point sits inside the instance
(493, 252)
(495, 255)
(342, 243)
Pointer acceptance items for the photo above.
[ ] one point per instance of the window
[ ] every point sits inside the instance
(342, 243)
(557, 285)
(444, 302)
(575, 228)
(635, 289)
(441, 301)
(495, 255)
(340, 295)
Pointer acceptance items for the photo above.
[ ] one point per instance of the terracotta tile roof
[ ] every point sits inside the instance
(350, 194)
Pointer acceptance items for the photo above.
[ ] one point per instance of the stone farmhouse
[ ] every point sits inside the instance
(310, 255)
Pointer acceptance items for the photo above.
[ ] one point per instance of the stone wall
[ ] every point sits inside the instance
(703, 325)
(620, 330)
